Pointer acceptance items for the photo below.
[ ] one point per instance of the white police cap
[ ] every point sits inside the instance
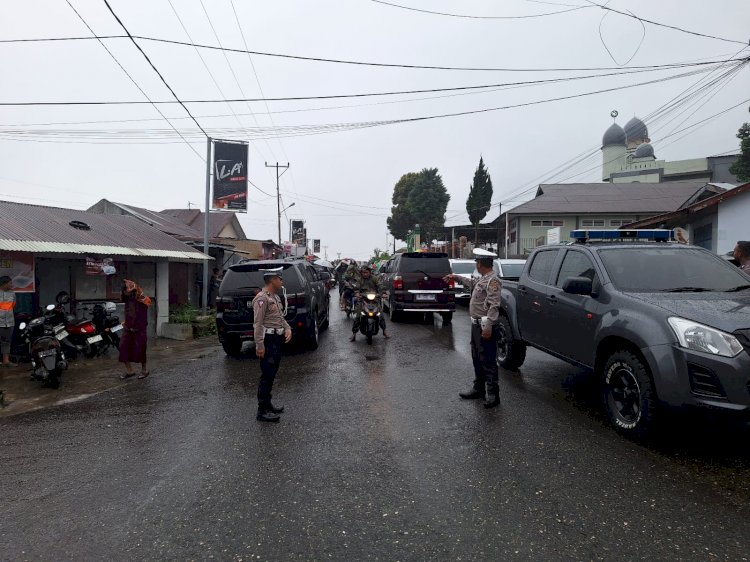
(269, 274)
(480, 253)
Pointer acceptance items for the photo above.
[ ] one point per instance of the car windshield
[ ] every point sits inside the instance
(465, 268)
(651, 270)
(425, 263)
(512, 269)
(250, 275)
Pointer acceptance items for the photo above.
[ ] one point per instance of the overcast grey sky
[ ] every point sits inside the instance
(356, 170)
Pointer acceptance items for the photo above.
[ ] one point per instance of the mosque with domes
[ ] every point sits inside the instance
(628, 156)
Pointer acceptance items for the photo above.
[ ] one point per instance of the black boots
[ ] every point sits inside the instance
(493, 396)
(275, 410)
(267, 412)
(267, 416)
(491, 400)
(473, 394)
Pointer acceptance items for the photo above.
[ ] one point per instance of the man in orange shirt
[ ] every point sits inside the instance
(7, 318)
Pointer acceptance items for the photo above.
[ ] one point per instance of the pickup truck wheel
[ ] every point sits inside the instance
(629, 396)
(511, 353)
(232, 347)
(313, 338)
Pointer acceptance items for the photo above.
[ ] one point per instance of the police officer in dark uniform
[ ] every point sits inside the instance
(271, 332)
(484, 309)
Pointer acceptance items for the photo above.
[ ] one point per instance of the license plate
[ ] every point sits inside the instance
(94, 339)
(59, 328)
(61, 335)
(425, 298)
(48, 353)
(117, 328)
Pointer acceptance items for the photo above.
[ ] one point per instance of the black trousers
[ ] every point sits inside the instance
(484, 355)
(269, 366)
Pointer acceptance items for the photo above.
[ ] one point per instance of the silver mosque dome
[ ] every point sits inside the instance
(614, 136)
(635, 129)
(644, 150)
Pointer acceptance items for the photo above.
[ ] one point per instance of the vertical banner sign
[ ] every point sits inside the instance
(298, 232)
(230, 176)
(316, 246)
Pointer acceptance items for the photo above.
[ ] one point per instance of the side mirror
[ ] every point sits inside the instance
(578, 286)
(324, 276)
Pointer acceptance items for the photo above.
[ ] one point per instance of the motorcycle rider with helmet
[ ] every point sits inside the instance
(367, 283)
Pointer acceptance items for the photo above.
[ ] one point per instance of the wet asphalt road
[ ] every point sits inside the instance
(376, 458)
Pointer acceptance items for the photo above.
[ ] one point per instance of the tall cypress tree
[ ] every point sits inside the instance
(479, 202)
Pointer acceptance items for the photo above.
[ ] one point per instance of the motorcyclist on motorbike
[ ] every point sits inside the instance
(351, 277)
(367, 283)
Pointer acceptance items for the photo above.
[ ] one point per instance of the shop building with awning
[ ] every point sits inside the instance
(48, 249)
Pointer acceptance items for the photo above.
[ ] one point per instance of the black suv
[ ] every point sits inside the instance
(414, 282)
(305, 299)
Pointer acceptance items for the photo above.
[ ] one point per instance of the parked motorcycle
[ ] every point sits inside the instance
(47, 358)
(91, 337)
(107, 325)
(371, 311)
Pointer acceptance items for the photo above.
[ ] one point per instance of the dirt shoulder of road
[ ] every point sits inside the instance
(87, 377)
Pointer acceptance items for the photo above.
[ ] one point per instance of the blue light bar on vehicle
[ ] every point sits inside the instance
(655, 235)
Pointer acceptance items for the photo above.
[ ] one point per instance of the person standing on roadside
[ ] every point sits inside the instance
(742, 255)
(271, 332)
(135, 334)
(484, 309)
(7, 318)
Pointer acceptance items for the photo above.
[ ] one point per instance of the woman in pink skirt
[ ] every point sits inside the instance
(135, 335)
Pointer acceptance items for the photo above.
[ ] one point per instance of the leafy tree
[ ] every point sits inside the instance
(428, 201)
(401, 220)
(419, 198)
(379, 255)
(479, 201)
(741, 166)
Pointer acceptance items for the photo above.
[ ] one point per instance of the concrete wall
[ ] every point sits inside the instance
(733, 219)
(162, 295)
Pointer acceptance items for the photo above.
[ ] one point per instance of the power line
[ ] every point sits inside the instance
(358, 95)
(299, 110)
(164, 117)
(528, 16)
(125, 29)
(328, 128)
(205, 64)
(667, 26)
(337, 61)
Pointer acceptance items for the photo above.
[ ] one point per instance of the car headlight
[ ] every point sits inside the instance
(698, 337)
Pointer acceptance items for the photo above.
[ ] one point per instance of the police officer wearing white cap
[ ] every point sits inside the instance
(271, 332)
(484, 309)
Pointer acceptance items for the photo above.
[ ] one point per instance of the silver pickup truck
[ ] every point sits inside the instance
(660, 323)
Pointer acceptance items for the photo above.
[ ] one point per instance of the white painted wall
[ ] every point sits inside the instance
(162, 295)
(734, 219)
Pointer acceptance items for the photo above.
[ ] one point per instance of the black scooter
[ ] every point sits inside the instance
(369, 324)
(47, 358)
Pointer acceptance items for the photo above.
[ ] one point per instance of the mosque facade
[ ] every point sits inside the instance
(628, 156)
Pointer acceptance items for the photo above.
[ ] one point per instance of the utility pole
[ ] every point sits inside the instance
(278, 194)
(204, 295)
(499, 216)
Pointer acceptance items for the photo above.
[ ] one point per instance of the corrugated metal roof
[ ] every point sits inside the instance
(195, 218)
(582, 198)
(33, 228)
